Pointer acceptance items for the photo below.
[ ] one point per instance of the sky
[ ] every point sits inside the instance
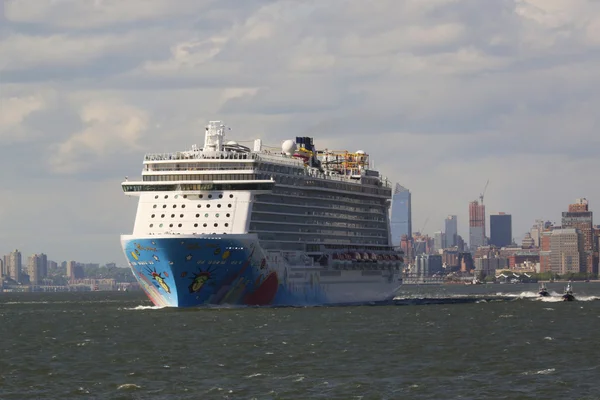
(443, 94)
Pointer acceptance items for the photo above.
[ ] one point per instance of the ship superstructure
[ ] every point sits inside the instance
(229, 224)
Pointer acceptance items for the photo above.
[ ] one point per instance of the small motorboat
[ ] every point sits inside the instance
(568, 295)
(543, 291)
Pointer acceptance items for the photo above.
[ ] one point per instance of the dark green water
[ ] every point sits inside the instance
(112, 345)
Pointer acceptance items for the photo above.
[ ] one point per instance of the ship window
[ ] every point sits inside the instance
(210, 196)
(195, 225)
(206, 215)
(151, 225)
(204, 225)
(156, 197)
(172, 215)
(179, 225)
(218, 206)
(229, 205)
(227, 215)
(154, 206)
(185, 196)
(153, 215)
(162, 215)
(174, 205)
(199, 205)
(166, 196)
(216, 225)
(217, 215)
(183, 206)
(231, 196)
(226, 224)
(180, 215)
(176, 196)
(208, 206)
(197, 215)
(201, 196)
(164, 206)
(170, 225)
(220, 196)
(160, 226)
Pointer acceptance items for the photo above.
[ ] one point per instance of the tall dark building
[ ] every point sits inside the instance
(500, 230)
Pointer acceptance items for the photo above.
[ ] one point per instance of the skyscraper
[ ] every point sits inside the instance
(34, 269)
(14, 265)
(579, 217)
(439, 241)
(451, 230)
(401, 219)
(476, 225)
(500, 230)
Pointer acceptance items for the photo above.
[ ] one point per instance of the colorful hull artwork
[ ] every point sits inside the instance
(187, 272)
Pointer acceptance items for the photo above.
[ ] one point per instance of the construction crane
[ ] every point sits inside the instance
(483, 193)
(424, 225)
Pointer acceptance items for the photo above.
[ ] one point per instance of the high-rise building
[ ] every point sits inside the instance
(34, 269)
(545, 242)
(579, 217)
(451, 230)
(567, 254)
(401, 215)
(14, 265)
(536, 232)
(439, 241)
(500, 230)
(2, 268)
(71, 267)
(476, 225)
(43, 265)
(527, 241)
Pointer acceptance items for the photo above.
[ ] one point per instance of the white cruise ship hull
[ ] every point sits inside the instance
(195, 270)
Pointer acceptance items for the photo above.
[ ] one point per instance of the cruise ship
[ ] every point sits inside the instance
(292, 225)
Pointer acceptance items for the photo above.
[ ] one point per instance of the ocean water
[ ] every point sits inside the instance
(435, 342)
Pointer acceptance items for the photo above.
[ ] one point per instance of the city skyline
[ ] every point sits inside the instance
(443, 96)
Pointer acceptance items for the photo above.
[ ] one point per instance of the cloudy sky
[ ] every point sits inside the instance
(444, 95)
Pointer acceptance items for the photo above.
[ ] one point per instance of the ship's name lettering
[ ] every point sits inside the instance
(140, 247)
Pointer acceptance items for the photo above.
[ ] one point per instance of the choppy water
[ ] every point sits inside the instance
(502, 342)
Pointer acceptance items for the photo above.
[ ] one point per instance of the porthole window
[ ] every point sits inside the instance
(164, 206)
(204, 225)
(217, 215)
(197, 215)
(172, 215)
(201, 196)
(220, 196)
(228, 215)
(153, 215)
(185, 196)
(162, 215)
(176, 196)
(174, 205)
(229, 205)
(195, 225)
(206, 215)
(216, 225)
(183, 206)
(231, 196)
(154, 206)
(208, 206)
(180, 215)
(226, 224)
(199, 205)
(218, 206)
(160, 226)
(170, 225)
(151, 225)
(156, 197)
(210, 196)
(166, 196)
(179, 225)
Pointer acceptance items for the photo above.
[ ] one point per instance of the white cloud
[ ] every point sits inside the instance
(14, 111)
(110, 126)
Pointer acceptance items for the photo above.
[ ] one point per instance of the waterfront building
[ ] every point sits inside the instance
(500, 230)
(567, 254)
(476, 225)
(14, 266)
(580, 217)
(401, 215)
